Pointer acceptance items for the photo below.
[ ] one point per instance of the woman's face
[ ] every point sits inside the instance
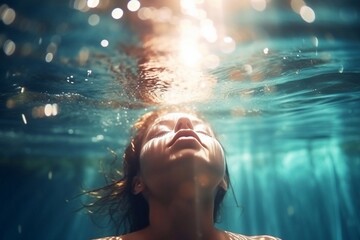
(181, 147)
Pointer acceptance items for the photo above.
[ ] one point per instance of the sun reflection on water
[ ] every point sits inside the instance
(176, 69)
(181, 43)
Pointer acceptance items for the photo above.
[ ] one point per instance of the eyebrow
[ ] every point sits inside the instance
(196, 121)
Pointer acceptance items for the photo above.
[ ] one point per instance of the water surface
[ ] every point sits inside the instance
(281, 93)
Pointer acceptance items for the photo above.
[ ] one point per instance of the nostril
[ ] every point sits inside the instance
(183, 123)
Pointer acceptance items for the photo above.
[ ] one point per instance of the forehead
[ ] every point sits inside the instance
(174, 117)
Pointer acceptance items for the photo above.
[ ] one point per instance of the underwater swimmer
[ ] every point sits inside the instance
(173, 181)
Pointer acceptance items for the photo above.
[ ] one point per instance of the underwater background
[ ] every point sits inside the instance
(279, 83)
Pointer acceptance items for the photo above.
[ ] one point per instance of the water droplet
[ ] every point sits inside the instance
(50, 175)
(97, 138)
(104, 43)
(49, 57)
(266, 51)
(24, 118)
(341, 69)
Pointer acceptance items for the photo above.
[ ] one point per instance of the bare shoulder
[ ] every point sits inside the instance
(110, 238)
(264, 237)
(237, 236)
(129, 236)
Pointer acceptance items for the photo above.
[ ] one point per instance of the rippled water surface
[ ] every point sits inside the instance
(281, 91)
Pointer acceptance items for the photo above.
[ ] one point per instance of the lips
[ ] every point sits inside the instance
(184, 133)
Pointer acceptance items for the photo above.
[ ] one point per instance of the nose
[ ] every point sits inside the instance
(183, 123)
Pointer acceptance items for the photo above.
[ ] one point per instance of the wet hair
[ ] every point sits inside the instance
(129, 212)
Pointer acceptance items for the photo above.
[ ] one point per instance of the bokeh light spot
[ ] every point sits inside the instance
(133, 5)
(8, 15)
(49, 57)
(307, 14)
(266, 51)
(117, 13)
(258, 5)
(93, 3)
(296, 5)
(145, 13)
(83, 55)
(104, 43)
(93, 19)
(227, 45)
(9, 47)
(81, 5)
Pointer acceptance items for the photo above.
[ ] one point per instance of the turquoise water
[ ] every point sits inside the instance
(284, 100)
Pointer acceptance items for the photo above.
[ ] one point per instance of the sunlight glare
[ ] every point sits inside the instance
(228, 45)
(212, 61)
(188, 7)
(208, 31)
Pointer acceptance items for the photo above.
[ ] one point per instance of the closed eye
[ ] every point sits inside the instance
(204, 132)
(159, 131)
(159, 134)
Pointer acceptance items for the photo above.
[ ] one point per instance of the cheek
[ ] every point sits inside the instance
(217, 155)
(152, 155)
(215, 149)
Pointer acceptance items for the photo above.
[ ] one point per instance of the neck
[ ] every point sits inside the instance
(188, 214)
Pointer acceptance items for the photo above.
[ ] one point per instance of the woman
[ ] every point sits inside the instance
(174, 180)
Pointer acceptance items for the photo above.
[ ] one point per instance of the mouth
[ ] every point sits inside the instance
(188, 133)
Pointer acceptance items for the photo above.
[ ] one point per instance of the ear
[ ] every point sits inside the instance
(137, 185)
(223, 184)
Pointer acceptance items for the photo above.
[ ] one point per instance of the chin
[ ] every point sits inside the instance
(189, 154)
(199, 161)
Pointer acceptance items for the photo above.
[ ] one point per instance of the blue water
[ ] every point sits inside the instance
(285, 106)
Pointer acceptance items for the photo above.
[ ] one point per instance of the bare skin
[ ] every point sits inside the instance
(181, 167)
